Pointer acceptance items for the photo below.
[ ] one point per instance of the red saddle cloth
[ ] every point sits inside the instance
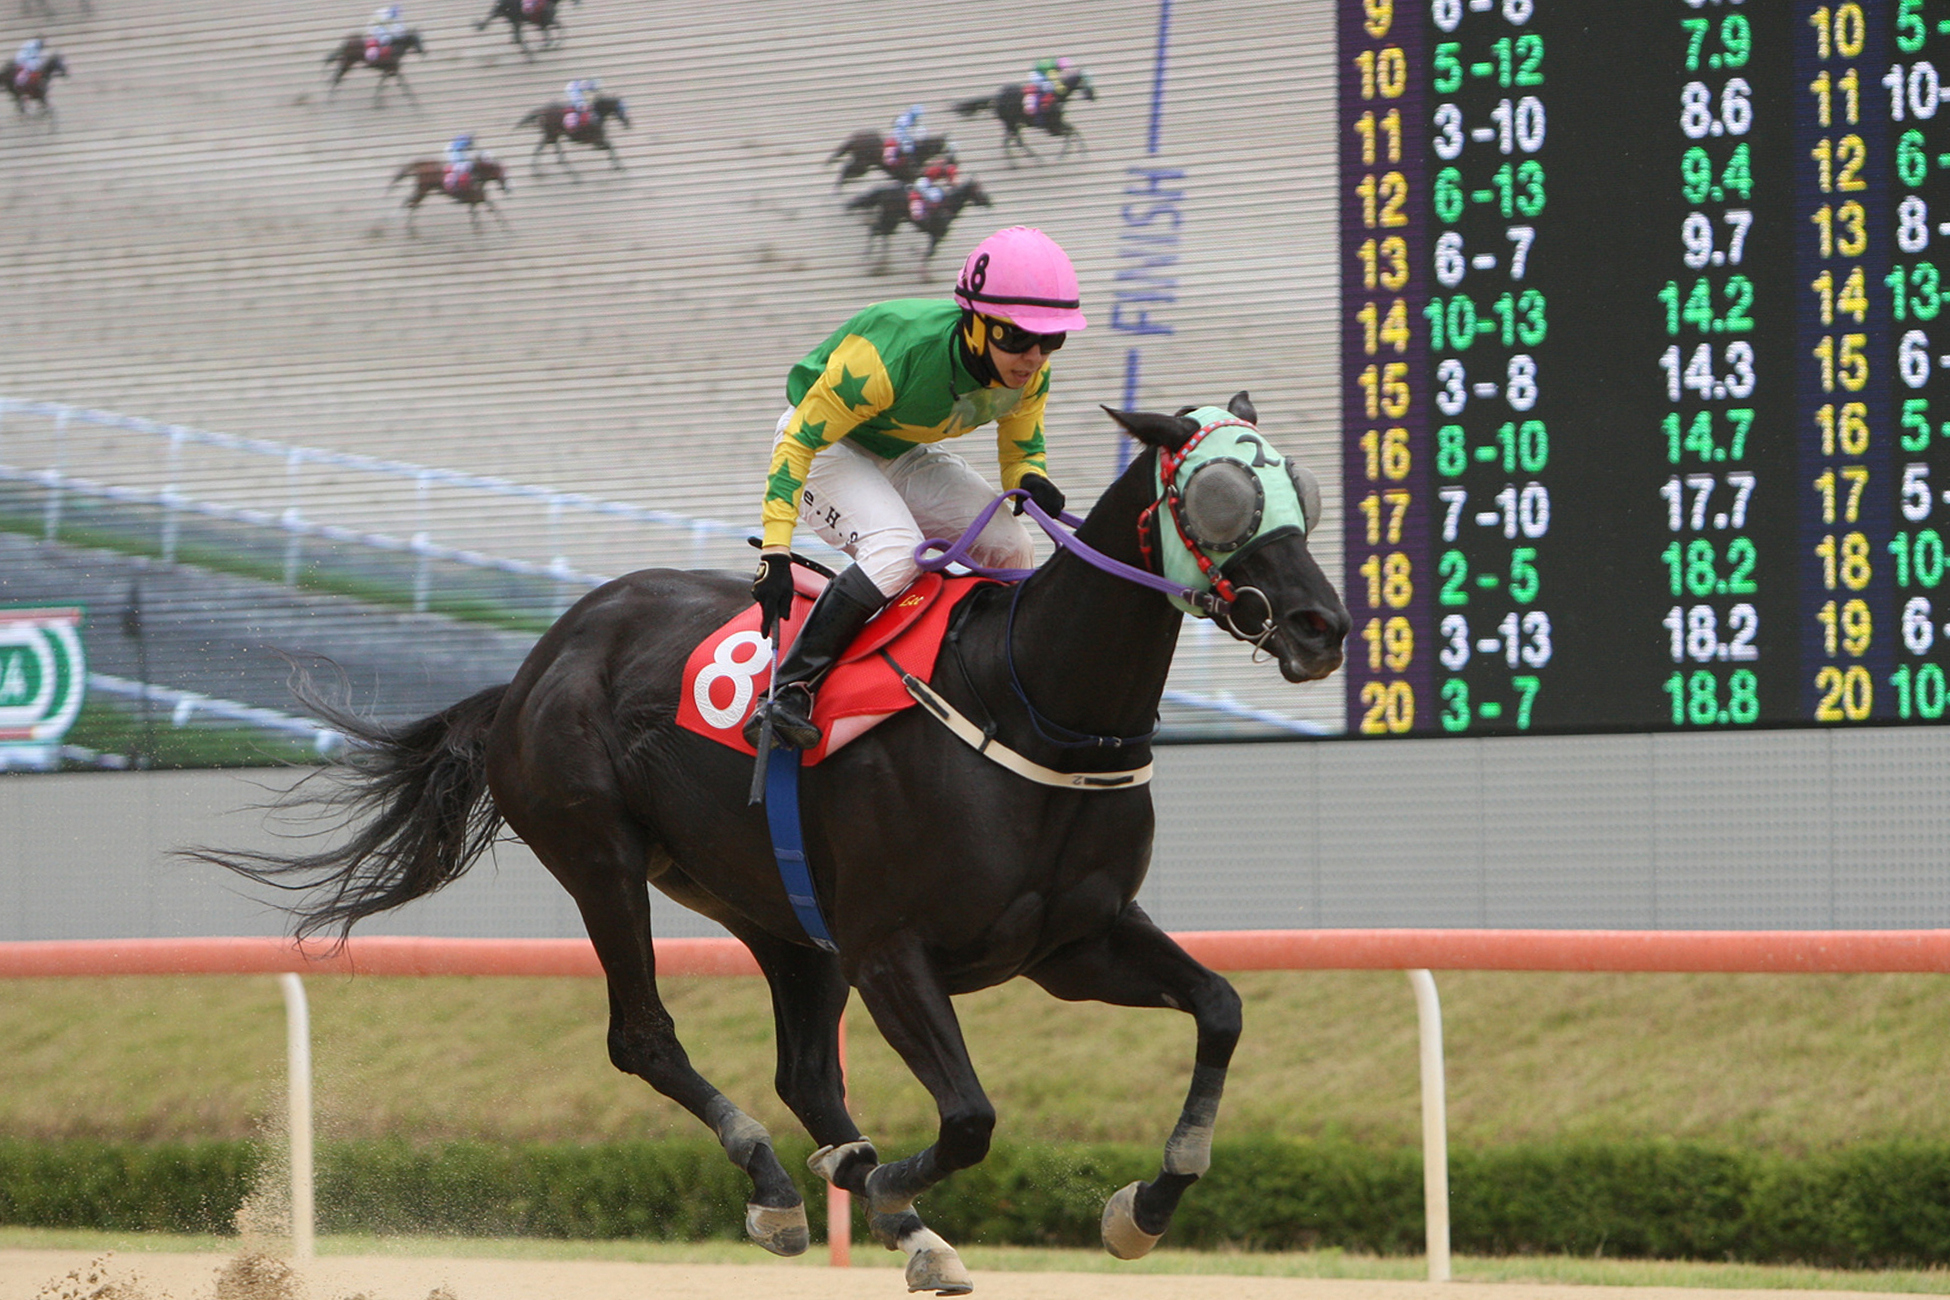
(375, 49)
(533, 8)
(574, 119)
(727, 674)
(454, 180)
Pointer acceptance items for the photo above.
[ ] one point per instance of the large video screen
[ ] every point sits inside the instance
(259, 417)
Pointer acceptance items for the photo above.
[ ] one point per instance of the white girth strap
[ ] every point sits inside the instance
(997, 752)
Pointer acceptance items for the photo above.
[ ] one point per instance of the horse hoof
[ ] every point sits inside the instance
(783, 1232)
(936, 1267)
(828, 1162)
(1122, 1236)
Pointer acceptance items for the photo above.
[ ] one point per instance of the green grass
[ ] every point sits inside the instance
(998, 1259)
(118, 727)
(1786, 1063)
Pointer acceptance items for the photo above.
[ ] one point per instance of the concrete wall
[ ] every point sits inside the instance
(1783, 830)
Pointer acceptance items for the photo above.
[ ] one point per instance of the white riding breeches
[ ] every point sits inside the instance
(878, 511)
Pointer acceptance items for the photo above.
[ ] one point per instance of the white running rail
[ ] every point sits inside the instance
(59, 484)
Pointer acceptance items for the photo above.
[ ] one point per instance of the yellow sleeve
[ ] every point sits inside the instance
(1019, 435)
(854, 387)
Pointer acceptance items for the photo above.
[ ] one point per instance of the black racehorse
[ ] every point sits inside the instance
(1009, 104)
(539, 14)
(866, 150)
(386, 59)
(32, 88)
(888, 207)
(939, 871)
(587, 128)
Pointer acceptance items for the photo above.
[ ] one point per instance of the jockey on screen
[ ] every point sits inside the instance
(460, 157)
(386, 27)
(856, 455)
(906, 127)
(28, 60)
(1045, 84)
(926, 193)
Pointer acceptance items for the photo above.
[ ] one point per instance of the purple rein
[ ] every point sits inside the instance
(957, 552)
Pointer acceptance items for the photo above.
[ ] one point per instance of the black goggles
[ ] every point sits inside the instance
(1010, 337)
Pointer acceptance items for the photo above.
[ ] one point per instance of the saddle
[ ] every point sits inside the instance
(727, 674)
(574, 119)
(534, 8)
(890, 152)
(376, 49)
(25, 79)
(457, 180)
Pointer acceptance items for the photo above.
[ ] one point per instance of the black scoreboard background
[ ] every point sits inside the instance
(1644, 351)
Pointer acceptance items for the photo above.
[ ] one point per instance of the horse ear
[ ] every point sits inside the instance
(1242, 406)
(1168, 431)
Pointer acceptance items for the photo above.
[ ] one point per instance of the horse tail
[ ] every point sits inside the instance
(416, 801)
(970, 107)
(870, 199)
(402, 174)
(534, 116)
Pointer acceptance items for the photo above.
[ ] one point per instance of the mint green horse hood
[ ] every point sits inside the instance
(1225, 495)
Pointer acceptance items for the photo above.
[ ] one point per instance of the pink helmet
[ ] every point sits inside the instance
(1020, 275)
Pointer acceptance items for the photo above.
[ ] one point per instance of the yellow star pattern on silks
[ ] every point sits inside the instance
(851, 388)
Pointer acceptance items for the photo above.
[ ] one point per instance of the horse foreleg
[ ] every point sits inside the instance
(1138, 965)
(916, 1017)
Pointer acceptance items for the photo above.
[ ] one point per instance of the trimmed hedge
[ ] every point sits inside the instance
(1885, 1205)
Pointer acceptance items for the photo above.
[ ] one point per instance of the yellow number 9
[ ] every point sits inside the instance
(1381, 16)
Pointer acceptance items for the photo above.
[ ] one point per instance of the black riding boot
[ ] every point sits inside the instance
(836, 618)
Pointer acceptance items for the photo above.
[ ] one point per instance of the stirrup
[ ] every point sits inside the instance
(792, 726)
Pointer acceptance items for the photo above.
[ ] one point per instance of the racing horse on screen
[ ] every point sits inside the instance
(539, 14)
(939, 870)
(386, 58)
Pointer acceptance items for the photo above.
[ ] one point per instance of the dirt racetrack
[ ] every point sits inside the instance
(75, 1275)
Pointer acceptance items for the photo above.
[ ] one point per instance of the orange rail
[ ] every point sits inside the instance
(1732, 951)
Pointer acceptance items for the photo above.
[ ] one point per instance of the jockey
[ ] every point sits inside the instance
(30, 56)
(460, 157)
(386, 27)
(1045, 83)
(924, 195)
(578, 94)
(856, 455)
(906, 127)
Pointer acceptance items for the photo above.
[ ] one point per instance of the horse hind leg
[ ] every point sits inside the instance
(809, 996)
(598, 855)
(1138, 965)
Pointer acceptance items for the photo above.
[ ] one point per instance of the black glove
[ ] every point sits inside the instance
(772, 589)
(1044, 493)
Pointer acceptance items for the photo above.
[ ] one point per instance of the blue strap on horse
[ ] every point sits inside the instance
(789, 845)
